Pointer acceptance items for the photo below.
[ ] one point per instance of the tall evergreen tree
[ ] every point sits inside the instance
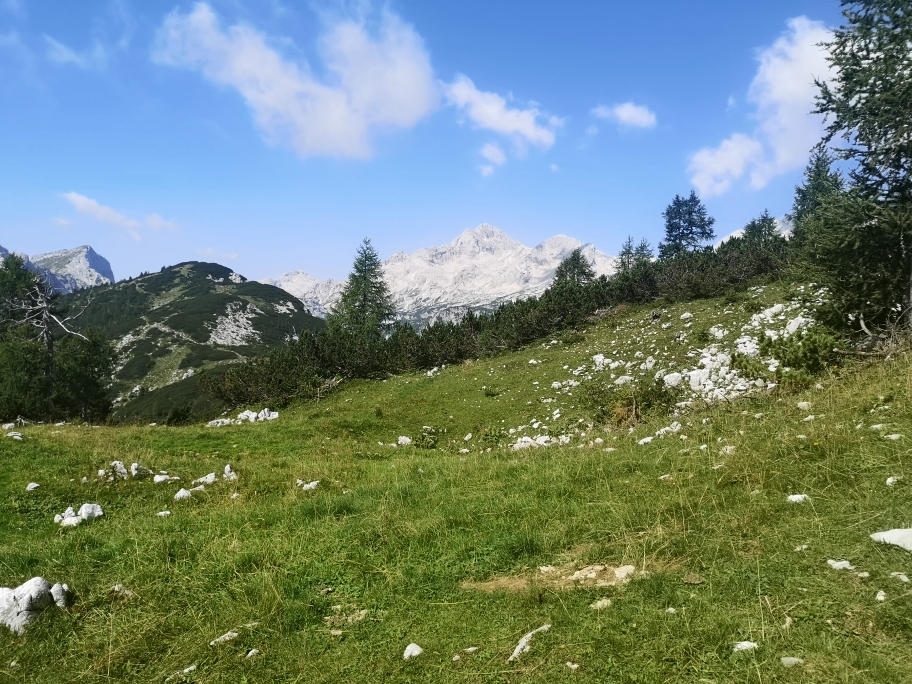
(820, 181)
(761, 231)
(575, 268)
(687, 225)
(869, 104)
(643, 252)
(365, 306)
(627, 255)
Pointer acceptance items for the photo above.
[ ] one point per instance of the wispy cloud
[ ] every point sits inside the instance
(493, 153)
(489, 111)
(782, 93)
(62, 222)
(378, 80)
(627, 114)
(209, 253)
(156, 222)
(100, 212)
(95, 58)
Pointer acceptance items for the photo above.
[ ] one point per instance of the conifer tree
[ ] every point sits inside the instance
(575, 268)
(687, 225)
(643, 252)
(627, 255)
(365, 306)
(868, 103)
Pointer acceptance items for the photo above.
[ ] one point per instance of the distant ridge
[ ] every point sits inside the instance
(69, 270)
(479, 270)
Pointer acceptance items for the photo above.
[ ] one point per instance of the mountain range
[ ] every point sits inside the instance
(69, 270)
(479, 270)
(171, 325)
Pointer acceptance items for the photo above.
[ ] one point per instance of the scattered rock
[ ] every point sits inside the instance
(227, 636)
(182, 494)
(229, 475)
(21, 606)
(158, 479)
(893, 437)
(798, 498)
(71, 518)
(15, 435)
(892, 480)
(204, 480)
(788, 661)
(404, 441)
(601, 604)
(671, 611)
(901, 576)
(840, 565)
(412, 651)
(897, 537)
(692, 578)
(745, 646)
(804, 405)
(32, 486)
(119, 470)
(163, 514)
(525, 642)
(881, 596)
(140, 472)
(252, 653)
(573, 666)
(307, 486)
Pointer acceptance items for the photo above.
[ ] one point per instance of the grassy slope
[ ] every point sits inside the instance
(397, 531)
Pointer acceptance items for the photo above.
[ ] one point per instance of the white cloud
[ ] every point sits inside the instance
(489, 111)
(210, 253)
(96, 58)
(493, 153)
(156, 222)
(627, 114)
(376, 81)
(592, 130)
(554, 168)
(89, 207)
(783, 94)
(713, 169)
(486, 170)
(62, 222)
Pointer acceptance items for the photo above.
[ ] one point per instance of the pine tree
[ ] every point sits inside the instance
(820, 181)
(687, 225)
(642, 253)
(761, 231)
(868, 103)
(575, 268)
(627, 256)
(365, 306)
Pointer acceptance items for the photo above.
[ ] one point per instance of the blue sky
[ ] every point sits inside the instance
(273, 136)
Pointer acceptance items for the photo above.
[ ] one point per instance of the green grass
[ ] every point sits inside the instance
(397, 531)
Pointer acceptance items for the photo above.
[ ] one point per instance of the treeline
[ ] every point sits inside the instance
(47, 370)
(361, 341)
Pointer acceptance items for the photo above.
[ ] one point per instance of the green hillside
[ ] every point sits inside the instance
(186, 319)
(474, 543)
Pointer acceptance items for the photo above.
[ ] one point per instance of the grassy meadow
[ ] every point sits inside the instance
(442, 546)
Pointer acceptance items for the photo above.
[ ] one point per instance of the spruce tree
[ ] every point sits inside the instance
(687, 225)
(820, 181)
(365, 306)
(575, 268)
(643, 252)
(627, 256)
(867, 105)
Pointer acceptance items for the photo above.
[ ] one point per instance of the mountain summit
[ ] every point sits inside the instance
(69, 270)
(479, 270)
